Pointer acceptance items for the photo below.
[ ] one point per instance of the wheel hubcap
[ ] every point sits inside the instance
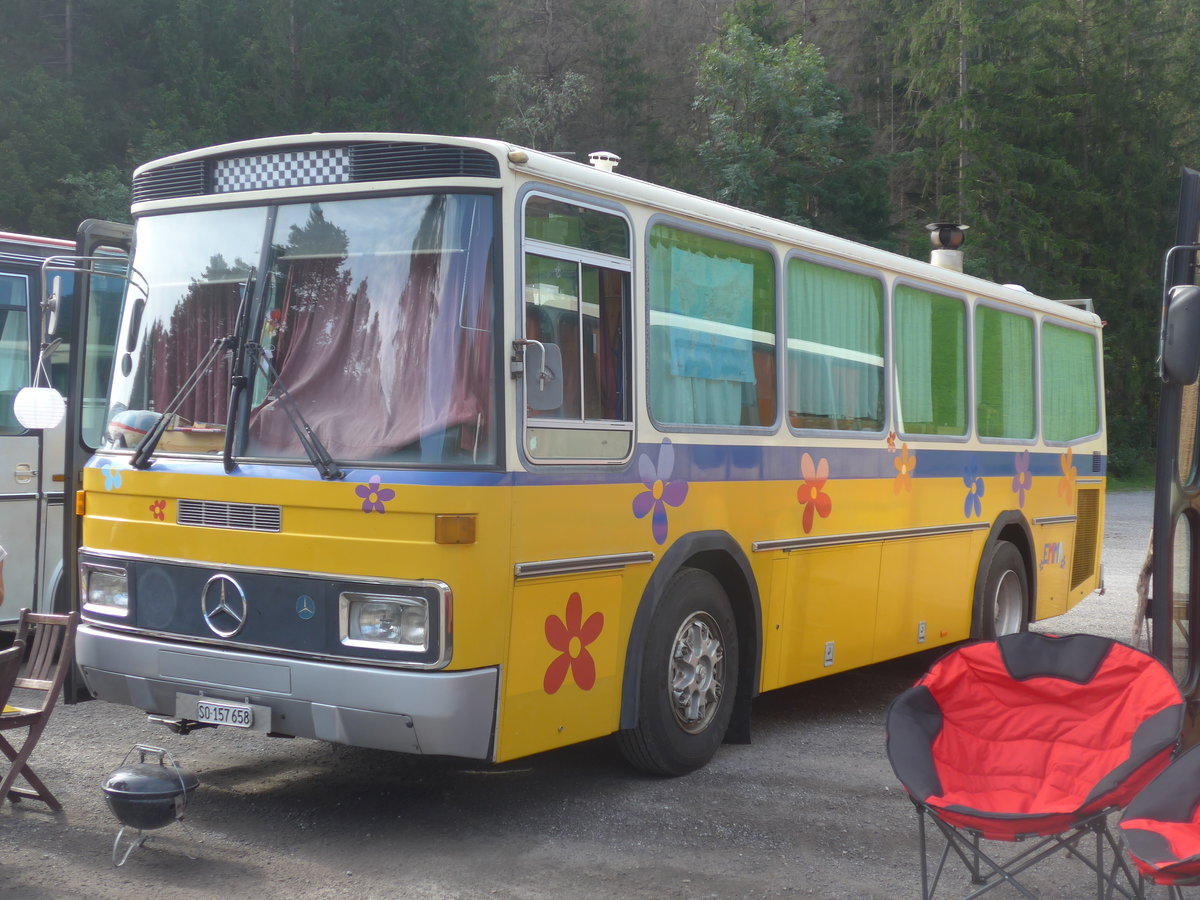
(1007, 604)
(697, 672)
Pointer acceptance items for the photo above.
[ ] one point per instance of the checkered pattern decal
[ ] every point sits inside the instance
(293, 168)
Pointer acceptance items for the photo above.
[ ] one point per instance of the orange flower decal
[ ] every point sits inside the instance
(571, 635)
(1066, 484)
(811, 493)
(905, 463)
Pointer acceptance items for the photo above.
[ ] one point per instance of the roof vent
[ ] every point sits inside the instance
(947, 237)
(604, 160)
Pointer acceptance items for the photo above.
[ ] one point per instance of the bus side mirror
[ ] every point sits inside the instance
(543, 376)
(1181, 335)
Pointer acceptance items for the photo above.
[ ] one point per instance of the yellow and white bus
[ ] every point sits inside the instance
(447, 446)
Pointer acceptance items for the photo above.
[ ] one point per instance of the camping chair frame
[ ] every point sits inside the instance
(989, 872)
(51, 642)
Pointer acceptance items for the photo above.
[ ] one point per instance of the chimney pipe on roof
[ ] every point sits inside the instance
(946, 238)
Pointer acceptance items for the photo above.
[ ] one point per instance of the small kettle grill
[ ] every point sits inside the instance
(147, 795)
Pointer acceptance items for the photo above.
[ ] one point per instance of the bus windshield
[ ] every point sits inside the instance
(370, 318)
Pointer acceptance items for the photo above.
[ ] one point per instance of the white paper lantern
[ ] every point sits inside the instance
(39, 407)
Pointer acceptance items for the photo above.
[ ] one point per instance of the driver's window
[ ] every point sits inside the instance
(577, 298)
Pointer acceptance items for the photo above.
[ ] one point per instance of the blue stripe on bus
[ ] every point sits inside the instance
(692, 463)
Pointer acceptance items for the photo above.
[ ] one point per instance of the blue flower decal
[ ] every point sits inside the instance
(112, 477)
(973, 505)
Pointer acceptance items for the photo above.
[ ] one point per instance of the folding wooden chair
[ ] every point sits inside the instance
(10, 664)
(51, 642)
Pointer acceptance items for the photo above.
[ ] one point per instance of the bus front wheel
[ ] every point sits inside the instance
(1005, 606)
(689, 672)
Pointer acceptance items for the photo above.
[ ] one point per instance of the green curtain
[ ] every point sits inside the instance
(1070, 408)
(835, 348)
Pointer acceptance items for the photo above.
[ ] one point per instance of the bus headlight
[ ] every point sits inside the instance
(105, 590)
(374, 620)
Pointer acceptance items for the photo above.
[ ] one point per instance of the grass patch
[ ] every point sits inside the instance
(1141, 481)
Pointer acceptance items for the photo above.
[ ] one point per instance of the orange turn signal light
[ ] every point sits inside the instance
(454, 529)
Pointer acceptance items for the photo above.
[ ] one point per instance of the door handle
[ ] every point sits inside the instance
(24, 473)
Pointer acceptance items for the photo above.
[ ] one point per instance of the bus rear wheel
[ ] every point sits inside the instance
(689, 672)
(1005, 603)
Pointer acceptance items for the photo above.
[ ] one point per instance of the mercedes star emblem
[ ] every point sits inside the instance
(224, 606)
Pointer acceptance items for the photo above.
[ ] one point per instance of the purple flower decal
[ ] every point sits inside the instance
(660, 491)
(1023, 480)
(973, 506)
(373, 496)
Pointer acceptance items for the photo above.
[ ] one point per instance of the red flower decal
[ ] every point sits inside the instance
(571, 635)
(158, 509)
(812, 492)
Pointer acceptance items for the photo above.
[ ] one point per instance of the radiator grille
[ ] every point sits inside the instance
(1087, 534)
(236, 516)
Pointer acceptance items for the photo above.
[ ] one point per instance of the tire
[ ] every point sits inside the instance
(689, 673)
(1004, 605)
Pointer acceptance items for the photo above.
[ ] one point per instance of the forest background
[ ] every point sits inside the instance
(1055, 129)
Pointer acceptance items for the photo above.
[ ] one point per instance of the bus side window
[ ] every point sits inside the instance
(605, 361)
(712, 330)
(577, 300)
(931, 360)
(14, 347)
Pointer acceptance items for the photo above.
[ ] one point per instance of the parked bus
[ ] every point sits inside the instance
(1174, 603)
(31, 514)
(447, 446)
(37, 284)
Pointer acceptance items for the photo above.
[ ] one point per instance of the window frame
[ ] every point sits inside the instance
(964, 301)
(976, 367)
(1098, 380)
(888, 356)
(31, 340)
(777, 273)
(580, 257)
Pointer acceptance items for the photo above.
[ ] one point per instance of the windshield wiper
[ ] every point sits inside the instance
(312, 445)
(145, 447)
(237, 374)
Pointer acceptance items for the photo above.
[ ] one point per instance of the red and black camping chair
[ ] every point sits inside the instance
(1032, 736)
(1161, 825)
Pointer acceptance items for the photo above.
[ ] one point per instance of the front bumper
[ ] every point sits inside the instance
(435, 713)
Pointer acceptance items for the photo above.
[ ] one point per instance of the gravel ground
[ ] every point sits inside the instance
(811, 809)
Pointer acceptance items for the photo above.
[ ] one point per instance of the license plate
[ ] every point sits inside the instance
(234, 714)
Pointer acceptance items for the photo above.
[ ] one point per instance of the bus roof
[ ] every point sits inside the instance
(32, 244)
(568, 172)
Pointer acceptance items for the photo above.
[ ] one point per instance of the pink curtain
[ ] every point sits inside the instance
(377, 362)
